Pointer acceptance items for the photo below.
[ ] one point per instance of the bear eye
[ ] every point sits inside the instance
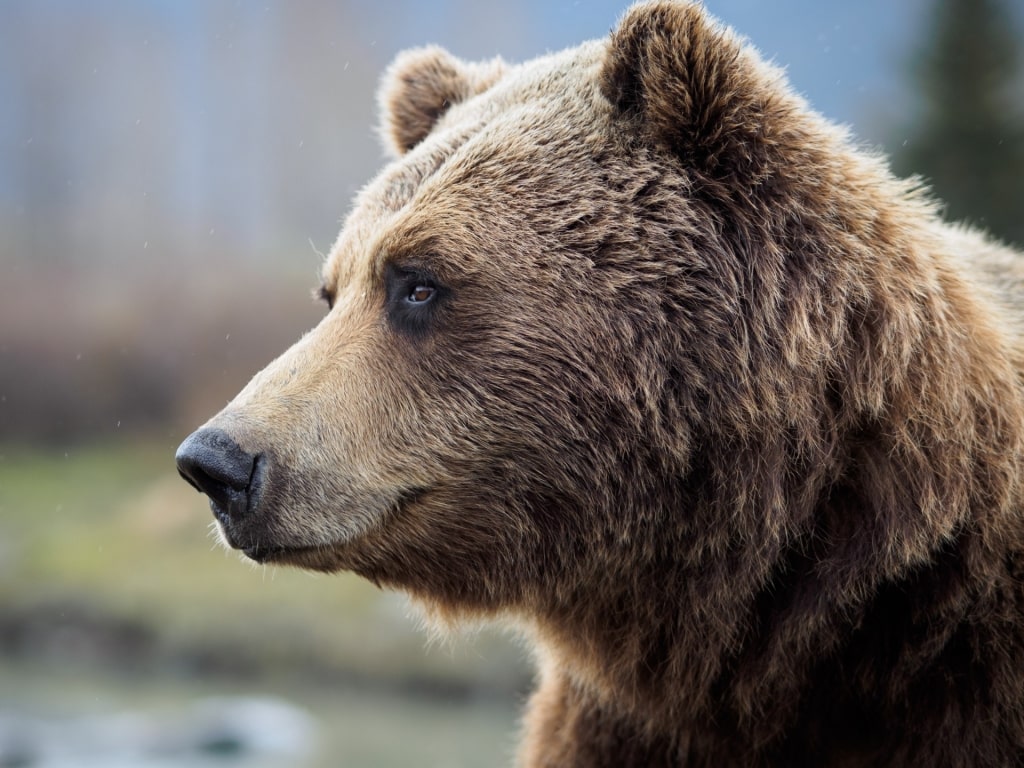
(420, 294)
(413, 299)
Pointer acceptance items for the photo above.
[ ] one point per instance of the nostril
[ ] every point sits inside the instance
(213, 463)
(203, 481)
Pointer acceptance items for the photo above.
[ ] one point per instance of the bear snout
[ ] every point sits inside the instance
(214, 464)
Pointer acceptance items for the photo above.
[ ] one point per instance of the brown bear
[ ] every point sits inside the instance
(630, 348)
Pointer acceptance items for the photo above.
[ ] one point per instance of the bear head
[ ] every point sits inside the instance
(625, 317)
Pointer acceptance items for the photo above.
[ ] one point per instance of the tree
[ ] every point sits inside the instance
(969, 142)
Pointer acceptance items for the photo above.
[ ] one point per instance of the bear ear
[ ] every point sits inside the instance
(693, 87)
(419, 87)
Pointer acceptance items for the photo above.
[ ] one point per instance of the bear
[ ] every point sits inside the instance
(628, 348)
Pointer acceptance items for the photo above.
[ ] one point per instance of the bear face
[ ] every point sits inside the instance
(524, 204)
(437, 273)
(629, 344)
(403, 430)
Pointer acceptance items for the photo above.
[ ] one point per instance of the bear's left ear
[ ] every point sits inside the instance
(419, 87)
(695, 88)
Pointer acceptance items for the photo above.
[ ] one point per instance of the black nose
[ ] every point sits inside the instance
(215, 465)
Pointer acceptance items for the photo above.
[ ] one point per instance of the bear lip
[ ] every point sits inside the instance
(261, 553)
(320, 556)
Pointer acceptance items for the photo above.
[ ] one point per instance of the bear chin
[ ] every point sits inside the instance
(312, 558)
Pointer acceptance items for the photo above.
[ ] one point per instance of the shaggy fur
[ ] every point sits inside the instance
(703, 398)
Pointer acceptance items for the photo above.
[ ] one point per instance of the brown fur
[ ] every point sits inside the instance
(713, 406)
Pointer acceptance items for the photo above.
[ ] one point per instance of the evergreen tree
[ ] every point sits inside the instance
(969, 144)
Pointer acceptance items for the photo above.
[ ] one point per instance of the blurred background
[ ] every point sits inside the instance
(170, 173)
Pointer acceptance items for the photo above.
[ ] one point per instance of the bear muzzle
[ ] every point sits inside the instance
(214, 464)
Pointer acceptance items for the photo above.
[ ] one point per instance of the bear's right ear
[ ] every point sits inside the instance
(419, 87)
(692, 86)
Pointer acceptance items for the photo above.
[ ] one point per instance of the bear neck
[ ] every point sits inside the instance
(782, 573)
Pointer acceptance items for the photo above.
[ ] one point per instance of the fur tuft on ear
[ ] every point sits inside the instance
(694, 88)
(419, 87)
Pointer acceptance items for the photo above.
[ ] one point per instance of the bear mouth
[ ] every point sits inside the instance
(262, 553)
(327, 556)
(264, 550)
